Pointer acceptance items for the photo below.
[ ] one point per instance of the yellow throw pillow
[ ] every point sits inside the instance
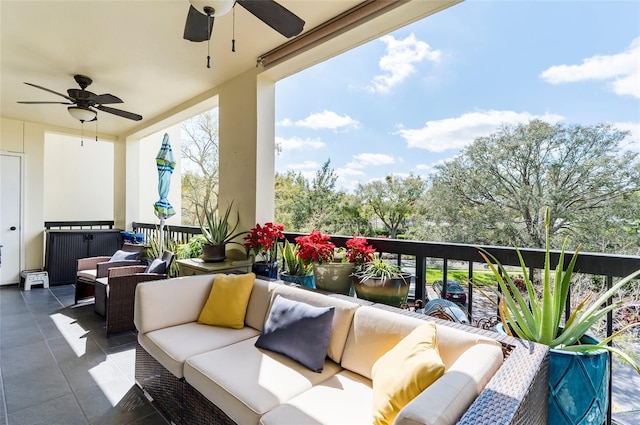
(404, 372)
(227, 302)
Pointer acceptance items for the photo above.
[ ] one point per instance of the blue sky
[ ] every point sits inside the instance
(409, 100)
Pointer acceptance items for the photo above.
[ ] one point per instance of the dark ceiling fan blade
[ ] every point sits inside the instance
(198, 26)
(50, 91)
(44, 103)
(275, 15)
(120, 113)
(105, 99)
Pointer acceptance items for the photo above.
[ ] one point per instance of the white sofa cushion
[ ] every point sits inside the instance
(447, 399)
(173, 345)
(342, 317)
(344, 398)
(246, 382)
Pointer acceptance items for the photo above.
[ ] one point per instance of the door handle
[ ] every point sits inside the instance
(12, 228)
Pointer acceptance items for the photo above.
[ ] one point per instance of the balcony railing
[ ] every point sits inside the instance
(609, 266)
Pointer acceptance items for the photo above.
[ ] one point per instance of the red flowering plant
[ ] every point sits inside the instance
(317, 247)
(263, 241)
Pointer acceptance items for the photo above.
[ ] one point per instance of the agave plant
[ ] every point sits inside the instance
(539, 318)
(377, 268)
(218, 230)
(293, 264)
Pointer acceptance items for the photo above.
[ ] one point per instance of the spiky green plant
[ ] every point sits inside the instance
(293, 264)
(539, 318)
(377, 268)
(216, 228)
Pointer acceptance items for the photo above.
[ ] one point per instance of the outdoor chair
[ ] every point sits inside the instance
(92, 268)
(115, 294)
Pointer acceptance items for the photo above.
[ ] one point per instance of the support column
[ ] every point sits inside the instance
(247, 147)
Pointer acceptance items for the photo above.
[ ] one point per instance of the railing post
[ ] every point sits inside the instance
(609, 333)
(421, 272)
(470, 299)
(445, 266)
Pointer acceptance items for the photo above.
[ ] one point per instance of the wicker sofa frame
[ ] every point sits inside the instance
(517, 394)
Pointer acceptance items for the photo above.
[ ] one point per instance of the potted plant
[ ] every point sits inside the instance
(332, 269)
(295, 268)
(262, 241)
(218, 232)
(578, 363)
(378, 281)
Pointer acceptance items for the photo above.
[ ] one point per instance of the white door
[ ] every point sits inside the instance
(10, 218)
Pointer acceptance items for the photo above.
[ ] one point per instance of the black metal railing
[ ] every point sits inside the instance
(93, 224)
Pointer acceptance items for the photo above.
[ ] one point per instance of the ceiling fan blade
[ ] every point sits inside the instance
(198, 26)
(105, 99)
(50, 91)
(120, 113)
(275, 15)
(44, 103)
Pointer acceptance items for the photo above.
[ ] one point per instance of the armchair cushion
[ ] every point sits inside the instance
(121, 255)
(227, 302)
(299, 331)
(157, 266)
(404, 372)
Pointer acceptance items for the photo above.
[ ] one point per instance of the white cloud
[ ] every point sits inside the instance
(293, 143)
(306, 165)
(631, 142)
(398, 62)
(370, 159)
(623, 68)
(322, 120)
(456, 133)
(423, 167)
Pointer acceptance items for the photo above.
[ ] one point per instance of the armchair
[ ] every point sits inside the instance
(115, 294)
(92, 268)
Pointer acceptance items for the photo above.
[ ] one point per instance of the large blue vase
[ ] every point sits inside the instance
(578, 386)
(306, 281)
(264, 269)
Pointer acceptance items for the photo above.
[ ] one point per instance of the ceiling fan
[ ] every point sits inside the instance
(83, 102)
(202, 12)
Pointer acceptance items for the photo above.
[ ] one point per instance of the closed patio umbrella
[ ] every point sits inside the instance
(165, 164)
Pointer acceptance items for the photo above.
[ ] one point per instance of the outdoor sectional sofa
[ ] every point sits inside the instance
(201, 374)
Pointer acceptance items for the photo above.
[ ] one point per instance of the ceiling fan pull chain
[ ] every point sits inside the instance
(209, 42)
(81, 133)
(96, 126)
(233, 30)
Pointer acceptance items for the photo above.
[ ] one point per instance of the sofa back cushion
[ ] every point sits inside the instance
(170, 302)
(342, 317)
(259, 303)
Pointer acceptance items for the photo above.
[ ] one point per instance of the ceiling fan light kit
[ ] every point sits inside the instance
(213, 7)
(81, 114)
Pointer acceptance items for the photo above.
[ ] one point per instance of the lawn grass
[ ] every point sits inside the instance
(480, 277)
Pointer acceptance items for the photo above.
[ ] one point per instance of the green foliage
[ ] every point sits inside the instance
(191, 249)
(539, 319)
(494, 191)
(199, 150)
(154, 251)
(293, 264)
(393, 200)
(218, 229)
(378, 268)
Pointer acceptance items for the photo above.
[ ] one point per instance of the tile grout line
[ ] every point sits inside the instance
(3, 398)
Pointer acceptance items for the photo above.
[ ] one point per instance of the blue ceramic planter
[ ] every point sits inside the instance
(306, 281)
(578, 385)
(263, 269)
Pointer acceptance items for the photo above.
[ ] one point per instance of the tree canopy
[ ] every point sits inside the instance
(200, 165)
(495, 190)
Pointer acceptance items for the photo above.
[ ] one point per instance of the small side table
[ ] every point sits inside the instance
(194, 266)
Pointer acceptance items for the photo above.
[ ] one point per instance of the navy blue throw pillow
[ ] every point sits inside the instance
(157, 266)
(299, 331)
(121, 255)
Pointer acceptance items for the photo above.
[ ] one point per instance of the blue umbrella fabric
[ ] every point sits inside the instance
(165, 164)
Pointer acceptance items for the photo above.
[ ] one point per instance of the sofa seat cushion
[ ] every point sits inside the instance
(345, 398)
(173, 345)
(89, 275)
(246, 382)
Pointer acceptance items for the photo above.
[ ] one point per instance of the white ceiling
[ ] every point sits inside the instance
(131, 49)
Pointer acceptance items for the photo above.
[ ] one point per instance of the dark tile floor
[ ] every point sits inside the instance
(58, 368)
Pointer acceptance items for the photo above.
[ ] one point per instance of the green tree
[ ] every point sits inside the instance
(495, 191)
(393, 200)
(200, 165)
